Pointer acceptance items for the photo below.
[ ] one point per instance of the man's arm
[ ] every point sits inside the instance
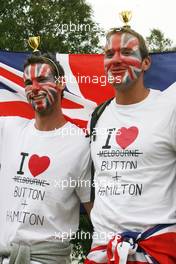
(1, 127)
(88, 207)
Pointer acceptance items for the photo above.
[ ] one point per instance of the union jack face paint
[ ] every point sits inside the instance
(122, 59)
(40, 86)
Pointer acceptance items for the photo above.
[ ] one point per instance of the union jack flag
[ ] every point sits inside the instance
(154, 246)
(86, 83)
(135, 58)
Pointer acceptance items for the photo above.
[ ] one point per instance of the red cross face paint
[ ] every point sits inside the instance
(122, 59)
(40, 86)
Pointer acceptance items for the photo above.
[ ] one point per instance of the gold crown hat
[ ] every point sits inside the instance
(34, 43)
(125, 17)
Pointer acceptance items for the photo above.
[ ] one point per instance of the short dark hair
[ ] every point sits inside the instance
(47, 58)
(142, 45)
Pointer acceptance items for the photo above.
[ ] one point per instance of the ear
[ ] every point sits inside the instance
(61, 84)
(146, 63)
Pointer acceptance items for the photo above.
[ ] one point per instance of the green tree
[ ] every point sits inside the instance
(83, 239)
(157, 41)
(65, 26)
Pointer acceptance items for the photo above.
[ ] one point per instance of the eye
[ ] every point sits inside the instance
(109, 54)
(27, 82)
(126, 52)
(42, 79)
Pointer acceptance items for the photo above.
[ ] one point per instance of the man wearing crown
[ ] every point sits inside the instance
(45, 173)
(134, 212)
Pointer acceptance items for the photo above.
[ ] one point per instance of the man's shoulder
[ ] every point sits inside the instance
(14, 121)
(76, 132)
(170, 91)
(169, 95)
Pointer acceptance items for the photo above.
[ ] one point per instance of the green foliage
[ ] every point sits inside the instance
(158, 43)
(64, 26)
(82, 242)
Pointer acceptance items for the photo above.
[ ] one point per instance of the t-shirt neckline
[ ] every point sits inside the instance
(152, 94)
(53, 132)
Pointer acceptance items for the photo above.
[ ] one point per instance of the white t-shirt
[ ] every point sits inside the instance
(44, 175)
(135, 162)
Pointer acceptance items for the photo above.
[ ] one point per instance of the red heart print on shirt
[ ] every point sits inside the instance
(126, 136)
(37, 164)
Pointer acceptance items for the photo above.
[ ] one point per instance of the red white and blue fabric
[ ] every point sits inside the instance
(134, 60)
(80, 98)
(155, 246)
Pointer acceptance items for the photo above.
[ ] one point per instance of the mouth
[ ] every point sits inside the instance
(119, 71)
(37, 97)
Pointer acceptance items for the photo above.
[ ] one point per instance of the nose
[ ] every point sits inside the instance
(35, 87)
(116, 58)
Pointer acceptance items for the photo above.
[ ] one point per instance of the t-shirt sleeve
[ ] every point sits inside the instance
(170, 95)
(83, 188)
(172, 127)
(1, 136)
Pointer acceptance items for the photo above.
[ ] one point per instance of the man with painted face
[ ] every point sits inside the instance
(134, 212)
(44, 173)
